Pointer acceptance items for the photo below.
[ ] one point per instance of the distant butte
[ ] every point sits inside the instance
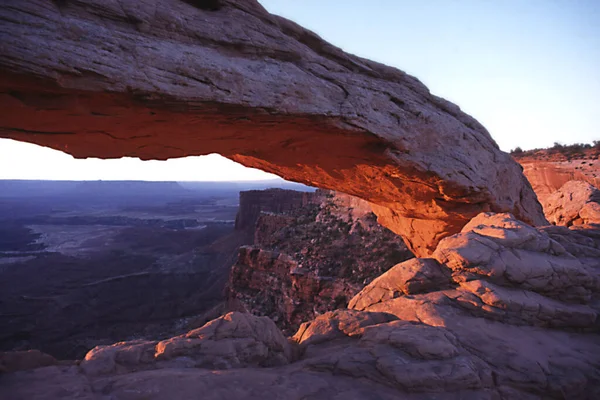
(157, 80)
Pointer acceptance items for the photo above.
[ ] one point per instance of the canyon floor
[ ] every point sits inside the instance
(90, 263)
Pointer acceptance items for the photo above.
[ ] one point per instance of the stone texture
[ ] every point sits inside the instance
(161, 79)
(575, 203)
(583, 241)
(312, 252)
(547, 176)
(510, 253)
(234, 340)
(523, 310)
(410, 277)
(188, 384)
(336, 324)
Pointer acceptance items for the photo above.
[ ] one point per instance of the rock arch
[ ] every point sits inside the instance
(162, 78)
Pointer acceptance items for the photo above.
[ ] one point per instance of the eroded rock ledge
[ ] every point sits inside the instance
(161, 79)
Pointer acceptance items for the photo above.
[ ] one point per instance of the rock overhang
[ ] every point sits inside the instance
(164, 79)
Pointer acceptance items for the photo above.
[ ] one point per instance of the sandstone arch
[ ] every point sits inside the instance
(160, 79)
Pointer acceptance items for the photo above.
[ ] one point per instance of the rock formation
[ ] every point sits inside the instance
(501, 311)
(547, 177)
(549, 169)
(575, 203)
(161, 79)
(310, 257)
(254, 202)
(12, 361)
(232, 341)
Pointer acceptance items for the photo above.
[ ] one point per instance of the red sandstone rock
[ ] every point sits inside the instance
(410, 277)
(339, 323)
(162, 79)
(575, 203)
(547, 176)
(310, 259)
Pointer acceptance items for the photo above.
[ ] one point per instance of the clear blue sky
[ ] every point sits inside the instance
(528, 70)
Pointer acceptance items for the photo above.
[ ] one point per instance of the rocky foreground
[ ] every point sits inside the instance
(502, 310)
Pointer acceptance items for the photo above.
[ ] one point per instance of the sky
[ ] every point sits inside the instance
(528, 70)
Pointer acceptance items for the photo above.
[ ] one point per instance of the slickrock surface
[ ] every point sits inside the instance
(514, 317)
(522, 311)
(162, 79)
(232, 341)
(310, 257)
(575, 203)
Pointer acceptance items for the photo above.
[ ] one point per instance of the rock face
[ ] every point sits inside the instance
(161, 79)
(232, 341)
(253, 202)
(12, 361)
(547, 176)
(309, 259)
(501, 311)
(575, 203)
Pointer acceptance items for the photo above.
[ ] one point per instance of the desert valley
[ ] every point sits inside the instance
(413, 259)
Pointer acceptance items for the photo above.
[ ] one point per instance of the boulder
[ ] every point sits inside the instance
(336, 324)
(507, 252)
(11, 361)
(575, 203)
(235, 340)
(409, 277)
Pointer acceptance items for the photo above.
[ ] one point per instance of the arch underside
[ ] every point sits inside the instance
(164, 79)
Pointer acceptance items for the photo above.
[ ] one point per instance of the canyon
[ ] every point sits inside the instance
(84, 264)
(90, 263)
(497, 304)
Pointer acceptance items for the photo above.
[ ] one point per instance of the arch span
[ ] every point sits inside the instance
(164, 78)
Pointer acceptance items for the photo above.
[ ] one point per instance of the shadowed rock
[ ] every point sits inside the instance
(234, 340)
(24, 360)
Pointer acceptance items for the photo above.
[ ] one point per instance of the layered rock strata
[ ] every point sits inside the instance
(309, 259)
(575, 203)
